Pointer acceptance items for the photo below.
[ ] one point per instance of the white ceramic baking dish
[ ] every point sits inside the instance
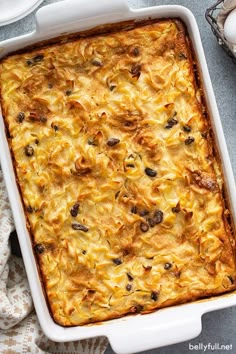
(132, 333)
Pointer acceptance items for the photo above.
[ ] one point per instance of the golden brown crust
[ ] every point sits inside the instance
(121, 187)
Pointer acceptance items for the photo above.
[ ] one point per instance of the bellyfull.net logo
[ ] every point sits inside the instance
(210, 346)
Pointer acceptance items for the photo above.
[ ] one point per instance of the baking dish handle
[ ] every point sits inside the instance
(68, 13)
(137, 339)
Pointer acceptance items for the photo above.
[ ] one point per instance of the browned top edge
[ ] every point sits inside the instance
(105, 29)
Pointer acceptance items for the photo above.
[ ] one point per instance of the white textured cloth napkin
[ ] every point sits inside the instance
(19, 328)
(227, 7)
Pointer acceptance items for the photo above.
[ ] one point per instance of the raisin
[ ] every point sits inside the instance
(113, 141)
(112, 87)
(136, 70)
(96, 62)
(128, 287)
(130, 277)
(150, 172)
(189, 140)
(135, 51)
(29, 209)
(143, 212)
(158, 217)
(117, 194)
(79, 227)
(20, 117)
(29, 62)
(182, 56)
(151, 222)
(167, 266)
(117, 261)
(144, 227)
(43, 119)
(171, 122)
(29, 150)
(134, 209)
(68, 92)
(176, 209)
(39, 248)
(187, 128)
(75, 210)
(154, 295)
(136, 309)
(127, 123)
(38, 58)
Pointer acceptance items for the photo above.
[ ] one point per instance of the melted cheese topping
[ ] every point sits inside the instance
(114, 160)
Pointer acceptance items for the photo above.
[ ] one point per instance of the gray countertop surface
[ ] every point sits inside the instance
(218, 327)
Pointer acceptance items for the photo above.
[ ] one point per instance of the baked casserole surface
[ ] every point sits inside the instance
(118, 171)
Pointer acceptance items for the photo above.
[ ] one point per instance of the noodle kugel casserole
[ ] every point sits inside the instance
(118, 171)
